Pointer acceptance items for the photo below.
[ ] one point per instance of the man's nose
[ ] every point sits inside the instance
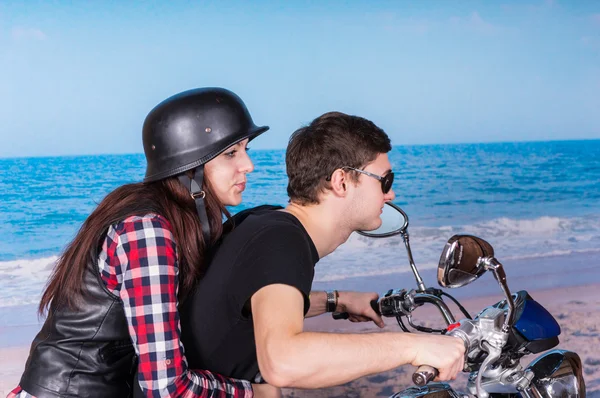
(391, 195)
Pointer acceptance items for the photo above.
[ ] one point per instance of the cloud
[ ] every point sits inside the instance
(20, 33)
(590, 42)
(391, 22)
(536, 8)
(411, 25)
(478, 22)
(475, 22)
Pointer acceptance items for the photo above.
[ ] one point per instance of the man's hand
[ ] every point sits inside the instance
(290, 357)
(266, 391)
(445, 353)
(358, 306)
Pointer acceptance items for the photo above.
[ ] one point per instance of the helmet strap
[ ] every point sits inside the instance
(194, 185)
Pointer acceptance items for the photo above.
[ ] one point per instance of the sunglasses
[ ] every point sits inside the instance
(386, 180)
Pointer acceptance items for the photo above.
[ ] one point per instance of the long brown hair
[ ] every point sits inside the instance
(168, 198)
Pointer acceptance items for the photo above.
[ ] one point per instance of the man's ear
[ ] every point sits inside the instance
(339, 183)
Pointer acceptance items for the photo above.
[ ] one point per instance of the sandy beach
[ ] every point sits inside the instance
(576, 309)
(568, 286)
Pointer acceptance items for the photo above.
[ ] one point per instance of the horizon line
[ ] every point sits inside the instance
(283, 149)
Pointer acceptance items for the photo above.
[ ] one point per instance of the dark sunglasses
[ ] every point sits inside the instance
(386, 180)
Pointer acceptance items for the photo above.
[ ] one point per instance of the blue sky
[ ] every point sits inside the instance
(79, 77)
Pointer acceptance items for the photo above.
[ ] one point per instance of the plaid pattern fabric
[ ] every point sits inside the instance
(138, 262)
(19, 393)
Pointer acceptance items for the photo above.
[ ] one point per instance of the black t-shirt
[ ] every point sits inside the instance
(268, 247)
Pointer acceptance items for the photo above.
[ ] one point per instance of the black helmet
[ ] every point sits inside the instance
(191, 128)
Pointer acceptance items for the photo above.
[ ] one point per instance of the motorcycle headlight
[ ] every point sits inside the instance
(432, 390)
(558, 373)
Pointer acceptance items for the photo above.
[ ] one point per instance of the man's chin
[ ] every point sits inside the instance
(372, 226)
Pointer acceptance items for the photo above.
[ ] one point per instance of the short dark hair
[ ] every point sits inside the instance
(329, 142)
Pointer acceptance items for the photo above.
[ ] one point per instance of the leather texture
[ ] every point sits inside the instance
(83, 352)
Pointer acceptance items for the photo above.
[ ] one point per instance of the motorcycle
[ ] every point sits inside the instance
(495, 339)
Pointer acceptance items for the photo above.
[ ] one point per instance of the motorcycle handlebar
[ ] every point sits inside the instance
(424, 375)
(422, 298)
(375, 306)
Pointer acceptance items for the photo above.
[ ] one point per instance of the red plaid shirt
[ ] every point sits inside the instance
(138, 262)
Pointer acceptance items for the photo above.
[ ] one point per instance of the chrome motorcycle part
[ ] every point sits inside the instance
(496, 339)
(499, 380)
(490, 263)
(434, 390)
(493, 355)
(424, 375)
(403, 231)
(394, 222)
(422, 298)
(396, 302)
(557, 373)
(459, 263)
(464, 259)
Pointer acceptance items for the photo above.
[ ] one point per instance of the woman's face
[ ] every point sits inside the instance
(227, 173)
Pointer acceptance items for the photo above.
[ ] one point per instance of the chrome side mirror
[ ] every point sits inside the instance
(557, 373)
(464, 259)
(460, 263)
(394, 221)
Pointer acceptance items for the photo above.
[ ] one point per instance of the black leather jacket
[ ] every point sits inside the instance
(85, 352)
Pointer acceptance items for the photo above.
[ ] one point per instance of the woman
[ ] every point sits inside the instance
(112, 298)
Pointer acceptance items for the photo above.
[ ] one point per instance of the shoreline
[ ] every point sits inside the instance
(540, 273)
(566, 285)
(548, 272)
(575, 308)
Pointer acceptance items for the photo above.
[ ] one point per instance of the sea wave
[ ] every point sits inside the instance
(512, 239)
(554, 253)
(22, 281)
(31, 268)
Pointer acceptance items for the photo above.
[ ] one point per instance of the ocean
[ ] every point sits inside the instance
(530, 200)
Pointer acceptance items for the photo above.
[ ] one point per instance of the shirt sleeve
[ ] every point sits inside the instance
(144, 250)
(278, 254)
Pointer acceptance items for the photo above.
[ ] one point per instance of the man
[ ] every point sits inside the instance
(247, 314)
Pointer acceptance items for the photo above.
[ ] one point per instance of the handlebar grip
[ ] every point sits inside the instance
(375, 306)
(345, 315)
(424, 375)
(340, 315)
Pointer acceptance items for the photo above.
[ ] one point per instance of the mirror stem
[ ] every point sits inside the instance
(420, 285)
(492, 264)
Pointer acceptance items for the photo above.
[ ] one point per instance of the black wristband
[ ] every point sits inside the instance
(332, 300)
